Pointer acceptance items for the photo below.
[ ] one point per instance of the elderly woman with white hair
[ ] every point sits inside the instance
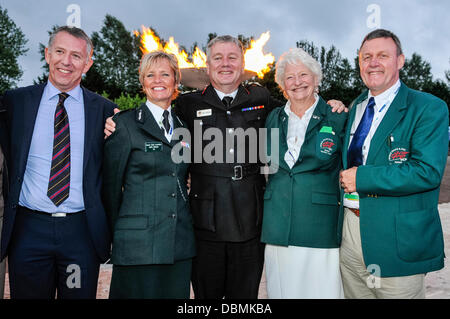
(301, 201)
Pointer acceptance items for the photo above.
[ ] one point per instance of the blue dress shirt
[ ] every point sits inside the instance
(35, 182)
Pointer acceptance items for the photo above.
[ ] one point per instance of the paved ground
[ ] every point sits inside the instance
(437, 283)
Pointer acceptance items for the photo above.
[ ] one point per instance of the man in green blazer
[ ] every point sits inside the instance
(395, 152)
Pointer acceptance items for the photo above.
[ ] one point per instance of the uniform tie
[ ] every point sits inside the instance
(355, 150)
(165, 121)
(59, 182)
(227, 101)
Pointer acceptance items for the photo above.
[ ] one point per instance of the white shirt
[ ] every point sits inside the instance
(157, 113)
(222, 95)
(296, 132)
(382, 103)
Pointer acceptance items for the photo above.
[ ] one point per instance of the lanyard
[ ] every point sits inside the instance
(388, 101)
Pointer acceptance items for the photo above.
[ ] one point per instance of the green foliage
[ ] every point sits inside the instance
(126, 101)
(12, 47)
(416, 73)
(116, 60)
(44, 77)
(337, 82)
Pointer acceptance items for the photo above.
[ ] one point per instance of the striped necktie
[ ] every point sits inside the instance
(355, 149)
(59, 182)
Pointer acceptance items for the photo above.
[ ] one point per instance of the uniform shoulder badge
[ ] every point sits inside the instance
(121, 113)
(190, 92)
(254, 84)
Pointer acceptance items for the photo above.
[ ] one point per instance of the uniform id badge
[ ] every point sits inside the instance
(153, 146)
(202, 113)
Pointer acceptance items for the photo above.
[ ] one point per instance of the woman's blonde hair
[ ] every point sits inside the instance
(153, 57)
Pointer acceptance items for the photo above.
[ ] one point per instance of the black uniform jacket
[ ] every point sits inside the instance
(227, 188)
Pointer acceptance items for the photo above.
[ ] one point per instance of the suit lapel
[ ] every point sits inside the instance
(211, 97)
(242, 97)
(314, 124)
(176, 124)
(283, 121)
(348, 128)
(149, 124)
(393, 115)
(30, 109)
(90, 116)
(317, 117)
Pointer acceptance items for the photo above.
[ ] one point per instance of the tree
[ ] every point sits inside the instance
(416, 73)
(116, 60)
(338, 75)
(447, 75)
(43, 78)
(12, 47)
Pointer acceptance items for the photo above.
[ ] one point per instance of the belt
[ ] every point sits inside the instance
(27, 210)
(354, 211)
(236, 172)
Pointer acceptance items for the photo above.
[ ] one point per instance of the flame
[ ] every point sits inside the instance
(255, 60)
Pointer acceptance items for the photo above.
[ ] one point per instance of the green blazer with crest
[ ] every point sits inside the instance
(301, 205)
(145, 192)
(399, 185)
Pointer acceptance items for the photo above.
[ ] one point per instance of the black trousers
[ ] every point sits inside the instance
(227, 269)
(52, 254)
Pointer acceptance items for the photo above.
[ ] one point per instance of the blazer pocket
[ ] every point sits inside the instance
(325, 199)
(419, 235)
(202, 208)
(132, 222)
(327, 146)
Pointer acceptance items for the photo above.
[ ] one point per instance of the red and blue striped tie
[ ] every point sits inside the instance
(59, 182)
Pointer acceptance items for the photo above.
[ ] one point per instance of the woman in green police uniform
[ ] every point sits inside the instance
(301, 201)
(145, 192)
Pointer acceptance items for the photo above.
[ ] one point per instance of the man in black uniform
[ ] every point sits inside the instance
(227, 194)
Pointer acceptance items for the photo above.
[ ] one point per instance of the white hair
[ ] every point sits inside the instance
(294, 56)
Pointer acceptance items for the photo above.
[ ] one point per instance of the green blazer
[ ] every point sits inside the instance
(301, 205)
(145, 193)
(399, 185)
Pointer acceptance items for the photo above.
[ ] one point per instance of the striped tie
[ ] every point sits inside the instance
(59, 182)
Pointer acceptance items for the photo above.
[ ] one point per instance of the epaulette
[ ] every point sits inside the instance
(254, 84)
(190, 92)
(121, 113)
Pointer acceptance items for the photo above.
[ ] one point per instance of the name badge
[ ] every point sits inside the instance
(202, 113)
(153, 146)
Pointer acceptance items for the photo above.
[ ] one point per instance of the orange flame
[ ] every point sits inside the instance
(255, 60)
